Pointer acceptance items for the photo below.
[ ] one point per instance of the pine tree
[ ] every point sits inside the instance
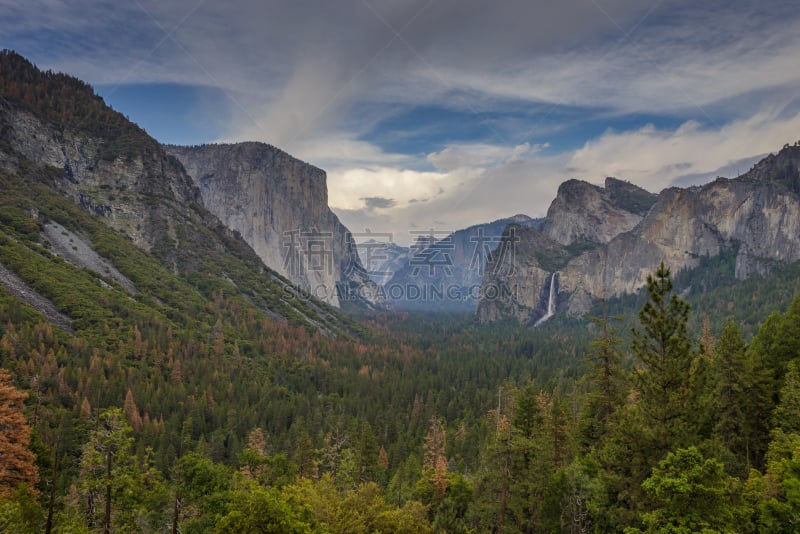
(780, 505)
(109, 475)
(434, 460)
(132, 411)
(765, 349)
(16, 459)
(493, 489)
(305, 456)
(664, 352)
(367, 454)
(607, 384)
(740, 399)
(693, 494)
(658, 417)
(787, 413)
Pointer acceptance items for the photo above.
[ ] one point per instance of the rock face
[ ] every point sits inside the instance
(74, 249)
(515, 283)
(136, 194)
(382, 260)
(757, 215)
(279, 205)
(586, 213)
(446, 271)
(57, 133)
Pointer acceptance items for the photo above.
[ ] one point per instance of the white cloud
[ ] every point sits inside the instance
(480, 155)
(333, 150)
(348, 187)
(316, 77)
(655, 158)
(473, 193)
(660, 73)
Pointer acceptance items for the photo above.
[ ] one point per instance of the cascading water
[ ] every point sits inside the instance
(551, 301)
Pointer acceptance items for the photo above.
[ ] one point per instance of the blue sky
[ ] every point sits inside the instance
(172, 113)
(453, 111)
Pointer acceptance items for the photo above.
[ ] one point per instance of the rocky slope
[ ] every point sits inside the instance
(133, 192)
(757, 215)
(447, 270)
(17, 287)
(279, 205)
(56, 133)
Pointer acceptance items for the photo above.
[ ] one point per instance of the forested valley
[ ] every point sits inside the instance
(204, 396)
(146, 425)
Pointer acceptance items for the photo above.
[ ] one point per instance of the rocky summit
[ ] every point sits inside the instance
(604, 242)
(586, 213)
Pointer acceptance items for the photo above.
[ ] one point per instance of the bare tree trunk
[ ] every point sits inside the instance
(48, 528)
(176, 512)
(107, 525)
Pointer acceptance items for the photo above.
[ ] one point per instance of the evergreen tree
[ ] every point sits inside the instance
(256, 509)
(739, 399)
(305, 456)
(658, 417)
(434, 458)
(368, 466)
(693, 494)
(765, 349)
(203, 487)
(607, 384)
(491, 508)
(788, 346)
(779, 489)
(787, 413)
(664, 353)
(109, 476)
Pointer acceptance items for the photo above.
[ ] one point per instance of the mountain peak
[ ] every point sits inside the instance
(587, 213)
(629, 197)
(782, 168)
(57, 133)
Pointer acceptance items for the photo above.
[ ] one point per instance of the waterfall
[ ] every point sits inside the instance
(551, 301)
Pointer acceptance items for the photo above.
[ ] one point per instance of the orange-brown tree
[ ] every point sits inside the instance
(16, 459)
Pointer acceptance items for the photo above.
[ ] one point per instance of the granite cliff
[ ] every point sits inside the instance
(603, 248)
(57, 133)
(586, 213)
(279, 205)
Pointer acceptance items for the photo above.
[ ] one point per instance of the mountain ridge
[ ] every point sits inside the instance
(758, 213)
(57, 135)
(444, 270)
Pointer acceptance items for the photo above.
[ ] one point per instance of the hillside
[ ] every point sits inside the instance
(113, 170)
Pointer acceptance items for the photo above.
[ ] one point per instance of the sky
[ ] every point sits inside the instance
(440, 114)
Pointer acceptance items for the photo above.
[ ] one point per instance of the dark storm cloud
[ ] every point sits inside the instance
(372, 203)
